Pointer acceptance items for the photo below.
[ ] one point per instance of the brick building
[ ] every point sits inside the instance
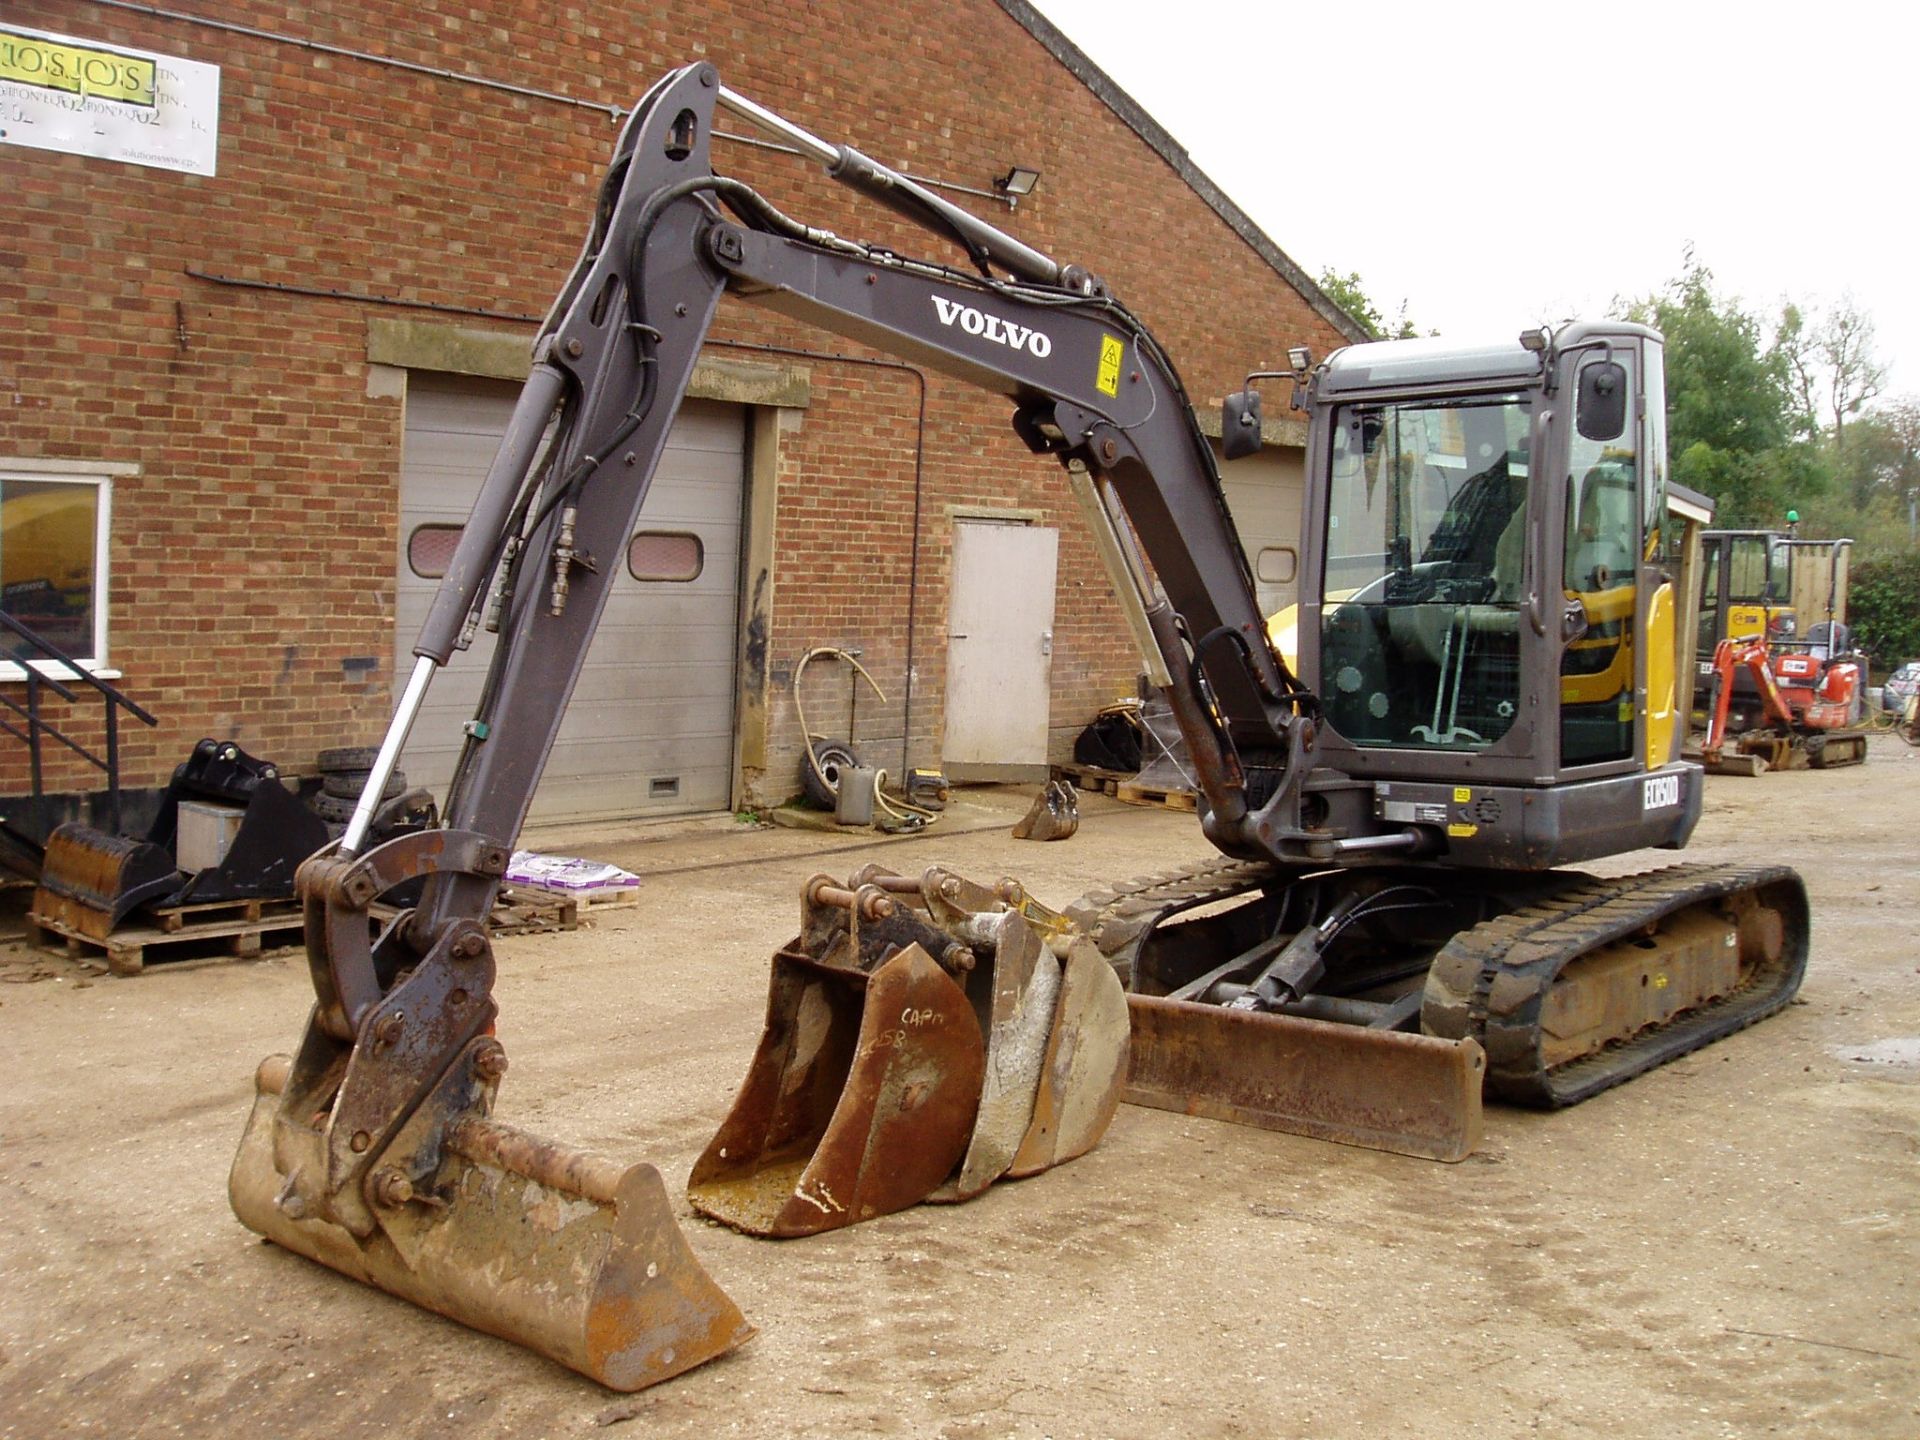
(269, 390)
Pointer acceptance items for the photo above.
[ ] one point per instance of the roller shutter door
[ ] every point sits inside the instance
(650, 728)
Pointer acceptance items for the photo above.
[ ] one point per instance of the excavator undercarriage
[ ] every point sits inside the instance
(1378, 1007)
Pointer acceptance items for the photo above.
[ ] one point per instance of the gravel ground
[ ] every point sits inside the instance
(1725, 1247)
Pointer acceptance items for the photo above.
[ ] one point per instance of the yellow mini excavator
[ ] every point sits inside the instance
(1484, 697)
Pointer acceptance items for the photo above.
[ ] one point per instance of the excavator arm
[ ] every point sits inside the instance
(1086, 381)
(377, 1133)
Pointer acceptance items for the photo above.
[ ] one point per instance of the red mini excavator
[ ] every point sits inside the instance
(1809, 698)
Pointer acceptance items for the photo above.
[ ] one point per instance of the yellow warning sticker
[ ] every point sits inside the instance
(1461, 794)
(1463, 832)
(1112, 351)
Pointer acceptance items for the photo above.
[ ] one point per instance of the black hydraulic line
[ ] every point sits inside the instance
(919, 477)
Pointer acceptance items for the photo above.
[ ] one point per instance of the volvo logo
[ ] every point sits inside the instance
(992, 327)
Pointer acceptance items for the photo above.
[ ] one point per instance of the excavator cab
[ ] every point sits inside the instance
(1492, 599)
(1487, 635)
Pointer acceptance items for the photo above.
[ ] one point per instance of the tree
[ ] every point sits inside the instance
(1348, 291)
(1844, 344)
(1881, 456)
(1884, 606)
(1793, 342)
(1735, 429)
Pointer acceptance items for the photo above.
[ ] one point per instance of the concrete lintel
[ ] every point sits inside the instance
(24, 465)
(1003, 514)
(506, 355)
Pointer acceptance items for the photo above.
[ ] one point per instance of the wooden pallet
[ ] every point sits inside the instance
(238, 929)
(1131, 793)
(525, 910)
(1092, 777)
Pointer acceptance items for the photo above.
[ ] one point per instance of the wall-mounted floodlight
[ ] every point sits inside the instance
(1016, 182)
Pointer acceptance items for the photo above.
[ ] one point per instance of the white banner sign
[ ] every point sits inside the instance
(84, 98)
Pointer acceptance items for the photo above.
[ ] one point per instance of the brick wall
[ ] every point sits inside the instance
(253, 555)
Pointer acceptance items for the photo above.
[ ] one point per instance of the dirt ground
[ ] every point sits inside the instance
(1725, 1247)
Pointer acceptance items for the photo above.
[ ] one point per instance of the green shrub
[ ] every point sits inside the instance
(1884, 607)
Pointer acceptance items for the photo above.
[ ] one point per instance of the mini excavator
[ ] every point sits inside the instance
(1484, 698)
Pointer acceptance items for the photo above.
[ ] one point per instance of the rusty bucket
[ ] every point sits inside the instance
(569, 1254)
(90, 881)
(859, 1101)
(923, 1039)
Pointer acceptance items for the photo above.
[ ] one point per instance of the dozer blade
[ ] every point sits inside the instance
(1381, 1089)
(90, 881)
(860, 1099)
(566, 1253)
(1735, 763)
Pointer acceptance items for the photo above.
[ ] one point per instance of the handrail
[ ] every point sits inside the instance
(80, 672)
(112, 702)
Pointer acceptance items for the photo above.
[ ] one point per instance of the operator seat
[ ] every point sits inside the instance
(1600, 555)
(1828, 638)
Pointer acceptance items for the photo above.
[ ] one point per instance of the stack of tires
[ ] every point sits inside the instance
(344, 772)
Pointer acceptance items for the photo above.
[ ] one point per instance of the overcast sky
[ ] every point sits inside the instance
(1496, 164)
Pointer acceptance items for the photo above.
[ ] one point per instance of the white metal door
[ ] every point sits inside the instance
(999, 650)
(650, 727)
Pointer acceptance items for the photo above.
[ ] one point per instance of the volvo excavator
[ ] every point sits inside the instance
(1392, 927)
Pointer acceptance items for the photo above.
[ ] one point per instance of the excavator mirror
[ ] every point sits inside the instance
(1602, 412)
(1240, 424)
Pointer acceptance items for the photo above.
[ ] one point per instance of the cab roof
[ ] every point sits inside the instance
(1419, 364)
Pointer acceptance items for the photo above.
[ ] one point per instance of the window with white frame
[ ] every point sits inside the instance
(53, 559)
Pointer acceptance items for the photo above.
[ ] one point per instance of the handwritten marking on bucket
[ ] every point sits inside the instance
(925, 1037)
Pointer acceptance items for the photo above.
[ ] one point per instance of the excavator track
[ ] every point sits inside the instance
(1661, 964)
(1118, 917)
(1839, 747)
(1497, 982)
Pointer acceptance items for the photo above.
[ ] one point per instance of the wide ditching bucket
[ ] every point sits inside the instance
(567, 1253)
(91, 881)
(373, 1149)
(923, 1039)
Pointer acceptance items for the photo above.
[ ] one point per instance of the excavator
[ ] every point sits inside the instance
(1392, 927)
(1779, 682)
